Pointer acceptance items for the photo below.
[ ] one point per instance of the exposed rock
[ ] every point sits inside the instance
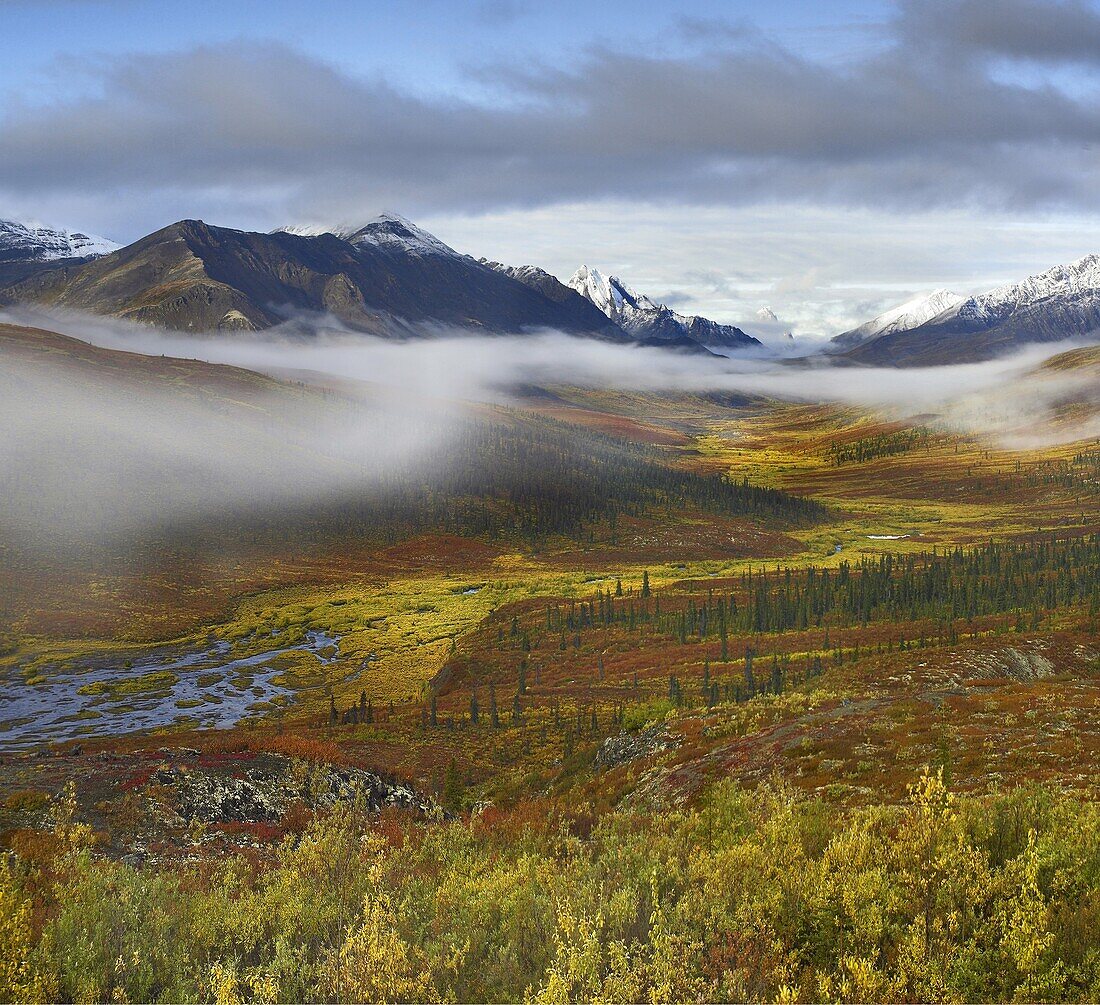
(1023, 663)
(625, 747)
(263, 795)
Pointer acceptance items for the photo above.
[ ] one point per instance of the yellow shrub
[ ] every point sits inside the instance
(20, 978)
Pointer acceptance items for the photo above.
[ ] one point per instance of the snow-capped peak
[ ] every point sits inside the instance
(31, 243)
(609, 293)
(767, 314)
(387, 231)
(914, 312)
(645, 318)
(394, 233)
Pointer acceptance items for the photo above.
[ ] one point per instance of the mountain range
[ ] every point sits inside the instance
(391, 278)
(1052, 306)
(387, 278)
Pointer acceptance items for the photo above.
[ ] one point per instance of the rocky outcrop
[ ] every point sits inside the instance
(264, 794)
(625, 747)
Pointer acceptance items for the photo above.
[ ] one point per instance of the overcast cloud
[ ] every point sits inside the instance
(929, 118)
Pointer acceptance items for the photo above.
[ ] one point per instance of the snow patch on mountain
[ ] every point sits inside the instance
(1081, 276)
(390, 232)
(306, 229)
(644, 318)
(914, 312)
(767, 314)
(30, 243)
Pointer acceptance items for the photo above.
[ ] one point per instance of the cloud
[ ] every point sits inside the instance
(90, 454)
(922, 121)
(713, 282)
(1065, 31)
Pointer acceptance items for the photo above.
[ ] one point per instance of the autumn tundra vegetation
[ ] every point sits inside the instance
(747, 895)
(640, 697)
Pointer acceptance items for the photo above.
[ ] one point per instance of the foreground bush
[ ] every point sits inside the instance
(755, 896)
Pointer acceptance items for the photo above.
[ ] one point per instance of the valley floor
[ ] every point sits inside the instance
(680, 756)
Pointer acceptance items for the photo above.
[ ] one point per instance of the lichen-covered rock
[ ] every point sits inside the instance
(264, 794)
(625, 747)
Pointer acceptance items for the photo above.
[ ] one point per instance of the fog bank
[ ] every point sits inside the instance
(100, 453)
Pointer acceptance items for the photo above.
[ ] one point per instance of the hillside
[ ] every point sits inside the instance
(802, 645)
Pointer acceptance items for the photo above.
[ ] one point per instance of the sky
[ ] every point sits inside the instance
(828, 160)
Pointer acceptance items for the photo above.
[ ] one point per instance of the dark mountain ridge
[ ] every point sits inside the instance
(192, 276)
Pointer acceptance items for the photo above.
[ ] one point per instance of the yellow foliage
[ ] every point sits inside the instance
(374, 964)
(20, 979)
(589, 968)
(227, 986)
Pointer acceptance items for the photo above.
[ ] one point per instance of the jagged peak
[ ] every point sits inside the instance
(609, 293)
(1081, 274)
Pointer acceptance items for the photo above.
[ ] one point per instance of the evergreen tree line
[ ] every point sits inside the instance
(994, 578)
(867, 448)
(1081, 472)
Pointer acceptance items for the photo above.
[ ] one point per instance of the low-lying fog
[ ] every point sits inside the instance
(163, 453)
(457, 364)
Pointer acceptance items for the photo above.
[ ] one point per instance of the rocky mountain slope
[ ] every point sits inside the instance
(554, 289)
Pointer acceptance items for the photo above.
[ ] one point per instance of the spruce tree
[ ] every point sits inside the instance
(452, 788)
